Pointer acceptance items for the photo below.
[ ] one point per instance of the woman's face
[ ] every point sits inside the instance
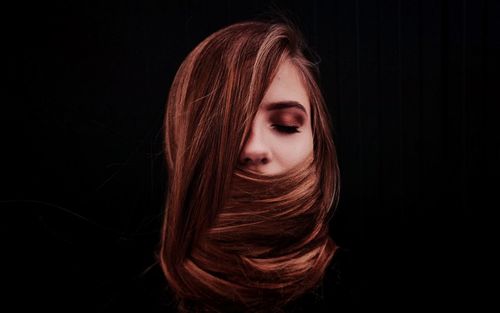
(281, 134)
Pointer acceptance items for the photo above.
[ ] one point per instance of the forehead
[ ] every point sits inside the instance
(287, 85)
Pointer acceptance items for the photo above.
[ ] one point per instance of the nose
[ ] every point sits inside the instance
(255, 152)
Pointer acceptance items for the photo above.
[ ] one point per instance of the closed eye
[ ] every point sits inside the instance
(286, 129)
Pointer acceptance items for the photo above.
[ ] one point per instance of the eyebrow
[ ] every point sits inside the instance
(280, 105)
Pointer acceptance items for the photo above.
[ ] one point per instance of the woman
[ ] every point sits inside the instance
(253, 175)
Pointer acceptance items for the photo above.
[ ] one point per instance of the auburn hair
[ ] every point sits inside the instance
(234, 240)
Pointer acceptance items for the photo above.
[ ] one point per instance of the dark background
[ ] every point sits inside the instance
(410, 85)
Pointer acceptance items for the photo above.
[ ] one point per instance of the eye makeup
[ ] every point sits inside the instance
(287, 123)
(286, 117)
(286, 129)
(289, 108)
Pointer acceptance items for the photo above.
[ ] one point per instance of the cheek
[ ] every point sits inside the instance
(293, 149)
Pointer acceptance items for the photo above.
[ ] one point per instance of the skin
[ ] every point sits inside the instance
(282, 137)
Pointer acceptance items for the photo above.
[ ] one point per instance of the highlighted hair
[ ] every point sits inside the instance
(234, 240)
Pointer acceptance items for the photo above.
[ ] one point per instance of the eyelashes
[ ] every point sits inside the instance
(286, 129)
(287, 123)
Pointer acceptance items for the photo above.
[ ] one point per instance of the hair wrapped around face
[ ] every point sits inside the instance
(234, 240)
(268, 245)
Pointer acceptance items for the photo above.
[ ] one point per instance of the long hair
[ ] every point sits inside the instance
(234, 240)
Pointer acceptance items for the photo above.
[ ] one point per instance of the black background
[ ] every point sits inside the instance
(410, 86)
